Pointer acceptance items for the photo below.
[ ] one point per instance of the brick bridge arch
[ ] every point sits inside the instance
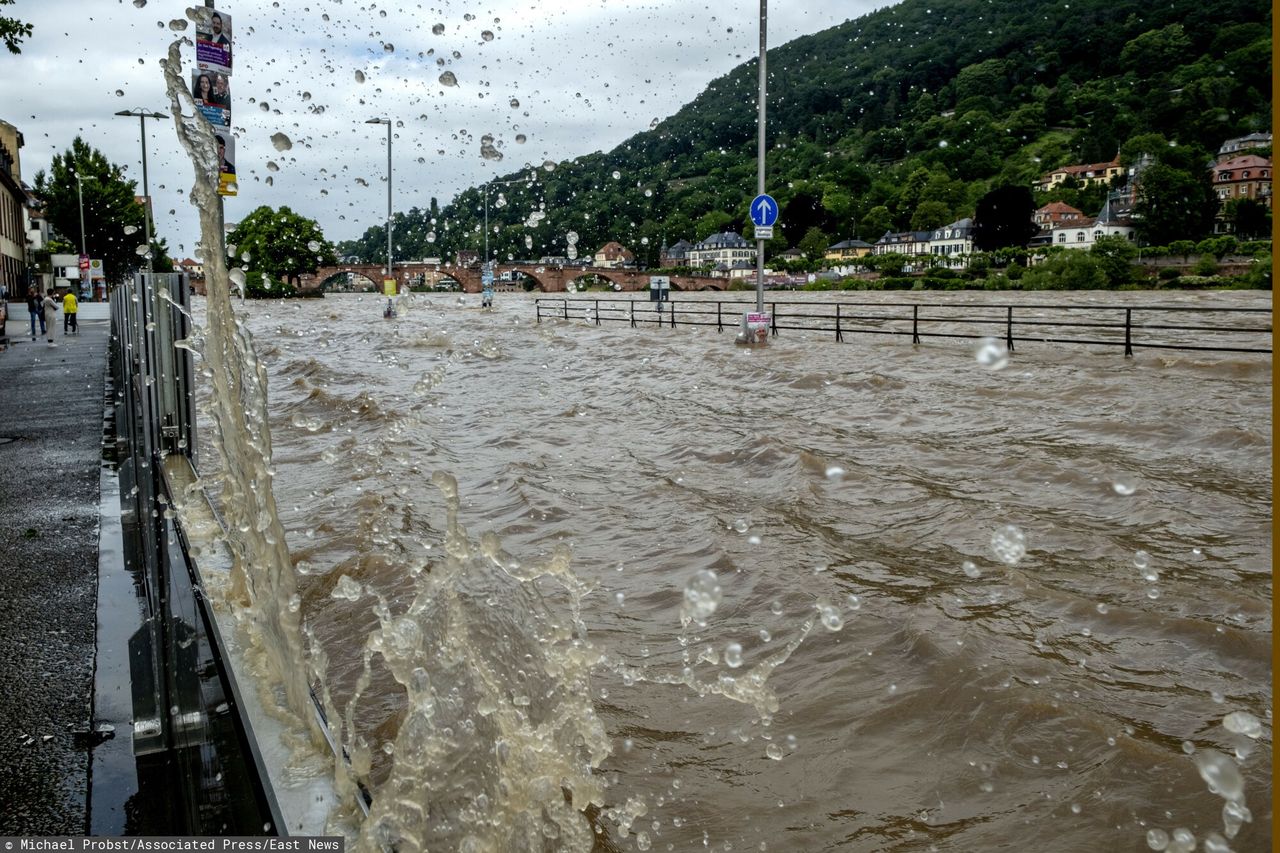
(549, 278)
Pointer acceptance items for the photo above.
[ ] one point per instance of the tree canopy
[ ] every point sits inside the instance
(12, 30)
(114, 227)
(281, 244)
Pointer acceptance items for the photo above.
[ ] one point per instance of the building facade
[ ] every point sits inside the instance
(1085, 174)
(13, 214)
(1243, 177)
(614, 255)
(727, 250)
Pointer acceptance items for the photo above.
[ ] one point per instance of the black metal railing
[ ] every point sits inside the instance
(1176, 327)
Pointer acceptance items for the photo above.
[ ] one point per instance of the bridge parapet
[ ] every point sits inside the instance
(549, 278)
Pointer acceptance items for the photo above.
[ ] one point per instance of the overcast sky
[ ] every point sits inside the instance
(571, 77)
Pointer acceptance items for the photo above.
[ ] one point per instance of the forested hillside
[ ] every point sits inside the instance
(900, 119)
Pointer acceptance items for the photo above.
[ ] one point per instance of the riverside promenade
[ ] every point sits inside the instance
(51, 418)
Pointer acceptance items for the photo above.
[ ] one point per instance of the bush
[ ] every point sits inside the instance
(1073, 270)
(894, 282)
(1206, 265)
(1168, 274)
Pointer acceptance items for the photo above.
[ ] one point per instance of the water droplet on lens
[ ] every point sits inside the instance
(281, 142)
(1009, 544)
(486, 35)
(1124, 489)
(970, 569)
(835, 472)
(733, 655)
(831, 618)
(359, 76)
(773, 751)
(991, 354)
(314, 245)
(1243, 723)
(448, 79)
(1157, 839)
(1141, 559)
(131, 229)
(437, 30)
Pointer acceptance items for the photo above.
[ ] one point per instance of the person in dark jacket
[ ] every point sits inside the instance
(36, 310)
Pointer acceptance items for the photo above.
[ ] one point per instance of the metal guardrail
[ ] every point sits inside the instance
(193, 746)
(1208, 329)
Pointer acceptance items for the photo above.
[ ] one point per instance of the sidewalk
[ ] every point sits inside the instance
(51, 416)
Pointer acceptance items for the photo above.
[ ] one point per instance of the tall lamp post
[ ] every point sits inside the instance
(142, 116)
(84, 251)
(390, 264)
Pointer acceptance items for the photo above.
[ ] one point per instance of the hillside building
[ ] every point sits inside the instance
(1248, 176)
(1233, 147)
(1085, 174)
(1112, 221)
(1057, 213)
(613, 255)
(848, 250)
(724, 252)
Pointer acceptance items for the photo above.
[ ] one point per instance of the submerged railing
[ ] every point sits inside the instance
(1174, 327)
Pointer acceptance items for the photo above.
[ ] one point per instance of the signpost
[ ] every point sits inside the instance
(764, 210)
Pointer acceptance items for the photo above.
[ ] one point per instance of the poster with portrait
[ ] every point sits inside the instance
(213, 42)
(226, 161)
(212, 93)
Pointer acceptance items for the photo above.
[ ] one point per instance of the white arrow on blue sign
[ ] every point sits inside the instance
(764, 210)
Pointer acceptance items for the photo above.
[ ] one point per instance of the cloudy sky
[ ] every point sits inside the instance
(547, 80)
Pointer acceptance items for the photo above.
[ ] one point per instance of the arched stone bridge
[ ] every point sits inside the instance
(549, 278)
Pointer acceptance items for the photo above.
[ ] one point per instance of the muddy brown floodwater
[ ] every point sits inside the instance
(1034, 593)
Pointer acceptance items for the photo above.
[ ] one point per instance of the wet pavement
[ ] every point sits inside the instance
(51, 415)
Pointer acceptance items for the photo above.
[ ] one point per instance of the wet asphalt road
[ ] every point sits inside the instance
(51, 405)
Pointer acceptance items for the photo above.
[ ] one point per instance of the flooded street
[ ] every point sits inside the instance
(1031, 595)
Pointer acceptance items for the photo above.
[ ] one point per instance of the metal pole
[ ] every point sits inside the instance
(146, 192)
(764, 18)
(390, 264)
(80, 197)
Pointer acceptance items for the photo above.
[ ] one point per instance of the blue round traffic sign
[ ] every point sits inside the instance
(764, 210)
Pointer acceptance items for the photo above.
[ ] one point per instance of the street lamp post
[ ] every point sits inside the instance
(390, 264)
(142, 116)
(80, 198)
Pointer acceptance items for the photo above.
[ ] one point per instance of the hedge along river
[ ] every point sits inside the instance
(869, 595)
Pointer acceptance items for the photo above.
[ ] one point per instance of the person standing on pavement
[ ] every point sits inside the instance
(69, 309)
(50, 320)
(36, 311)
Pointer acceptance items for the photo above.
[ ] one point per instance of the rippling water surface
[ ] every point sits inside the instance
(945, 698)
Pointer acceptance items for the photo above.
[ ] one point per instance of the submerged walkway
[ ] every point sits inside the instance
(51, 416)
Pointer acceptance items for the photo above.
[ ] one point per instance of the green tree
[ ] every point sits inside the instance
(1003, 217)
(13, 31)
(1251, 218)
(1067, 270)
(113, 219)
(875, 223)
(1173, 204)
(281, 244)
(1185, 248)
(1116, 256)
(814, 244)
(930, 215)
(1155, 50)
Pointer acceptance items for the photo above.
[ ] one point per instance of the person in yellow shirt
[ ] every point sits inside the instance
(69, 308)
